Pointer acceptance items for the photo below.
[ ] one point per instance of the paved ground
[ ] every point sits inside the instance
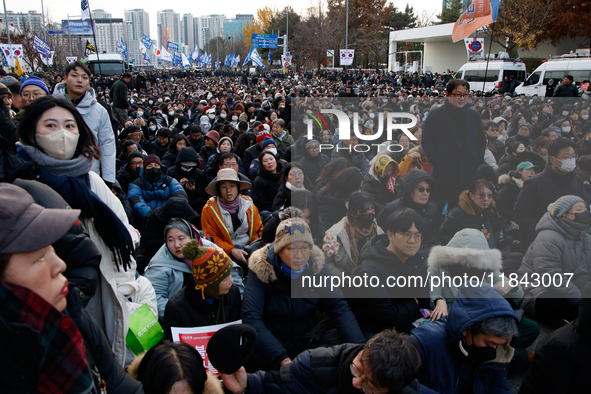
(515, 379)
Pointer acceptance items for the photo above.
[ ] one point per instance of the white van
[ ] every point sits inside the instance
(578, 65)
(474, 72)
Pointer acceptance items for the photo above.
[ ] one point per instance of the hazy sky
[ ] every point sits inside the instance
(58, 9)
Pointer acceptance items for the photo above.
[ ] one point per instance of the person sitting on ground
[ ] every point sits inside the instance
(387, 363)
(469, 351)
(229, 217)
(173, 368)
(562, 248)
(343, 241)
(289, 325)
(380, 182)
(392, 254)
(130, 171)
(210, 298)
(561, 363)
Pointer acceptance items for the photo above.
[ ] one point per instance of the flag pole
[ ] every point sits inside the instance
(492, 32)
(95, 42)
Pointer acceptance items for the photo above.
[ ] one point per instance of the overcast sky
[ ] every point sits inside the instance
(58, 9)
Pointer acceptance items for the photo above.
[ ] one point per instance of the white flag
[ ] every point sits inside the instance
(185, 61)
(347, 56)
(85, 9)
(164, 55)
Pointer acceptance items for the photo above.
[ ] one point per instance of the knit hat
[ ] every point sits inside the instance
(262, 133)
(469, 238)
(292, 229)
(7, 80)
(33, 80)
(152, 158)
(226, 139)
(311, 142)
(213, 135)
(268, 141)
(381, 163)
(563, 205)
(204, 119)
(133, 155)
(210, 267)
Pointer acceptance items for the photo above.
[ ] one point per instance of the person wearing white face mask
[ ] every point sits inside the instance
(566, 131)
(555, 181)
(55, 136)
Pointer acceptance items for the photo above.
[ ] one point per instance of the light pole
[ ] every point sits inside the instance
(347, 26)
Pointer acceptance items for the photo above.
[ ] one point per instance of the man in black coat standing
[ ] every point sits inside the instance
(454, 141)
(119, 98)
(567, 88)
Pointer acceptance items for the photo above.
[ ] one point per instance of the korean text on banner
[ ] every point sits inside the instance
(199, 337)
(478, 14)
(41, 46)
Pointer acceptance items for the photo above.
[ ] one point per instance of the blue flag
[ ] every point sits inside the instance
(256, 59)
(217, 63)
(269, 58)
(146, 58)
(171, 46)
(247, 59)
(122, 49)
(147, 41)
(41, 46)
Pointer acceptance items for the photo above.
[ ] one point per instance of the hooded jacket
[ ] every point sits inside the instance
(312, 165)
(197, 197)
(508, 162)
(266, 186)
(145, 195)
(473, 258)
(465, 215)
(98, 121)
(387, 307)
(446, 365)
(558, 249)
(281, 320)
(428, 211)
(506, 197)
(561, 363)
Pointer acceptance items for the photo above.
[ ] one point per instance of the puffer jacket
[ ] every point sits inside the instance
(98, 121)
(558, 249)
(197, 197)
(145, 195)
(507, 163)
(465, 215)
(387, 307)
(282, 320)
(455, 261)
(446, 366)
(506, 197)
(266, 186)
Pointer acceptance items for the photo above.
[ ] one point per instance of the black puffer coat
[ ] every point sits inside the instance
(332, 208)
(197, 197)
(266, 185)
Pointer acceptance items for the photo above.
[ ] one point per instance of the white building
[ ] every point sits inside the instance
(19, 20)
(169, 26)
(100, 14)
(441, 53)
(137, 23)
(109, 31)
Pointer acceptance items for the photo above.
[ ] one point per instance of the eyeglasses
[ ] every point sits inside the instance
(314, 148)
(459, 95)
(422, 189)
(407, 235)
(302, 250)
(357, 374)
(230, 165)
(34, 94)
(485, 196)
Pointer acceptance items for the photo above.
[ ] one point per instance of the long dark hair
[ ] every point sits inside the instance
(28, 126)
(345, 182)
(243, 143)
(330, 170)
(175, 140)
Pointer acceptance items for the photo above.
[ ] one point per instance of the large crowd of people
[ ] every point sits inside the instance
(209, 197)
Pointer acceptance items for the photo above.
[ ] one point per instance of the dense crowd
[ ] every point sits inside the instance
(210, 197)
